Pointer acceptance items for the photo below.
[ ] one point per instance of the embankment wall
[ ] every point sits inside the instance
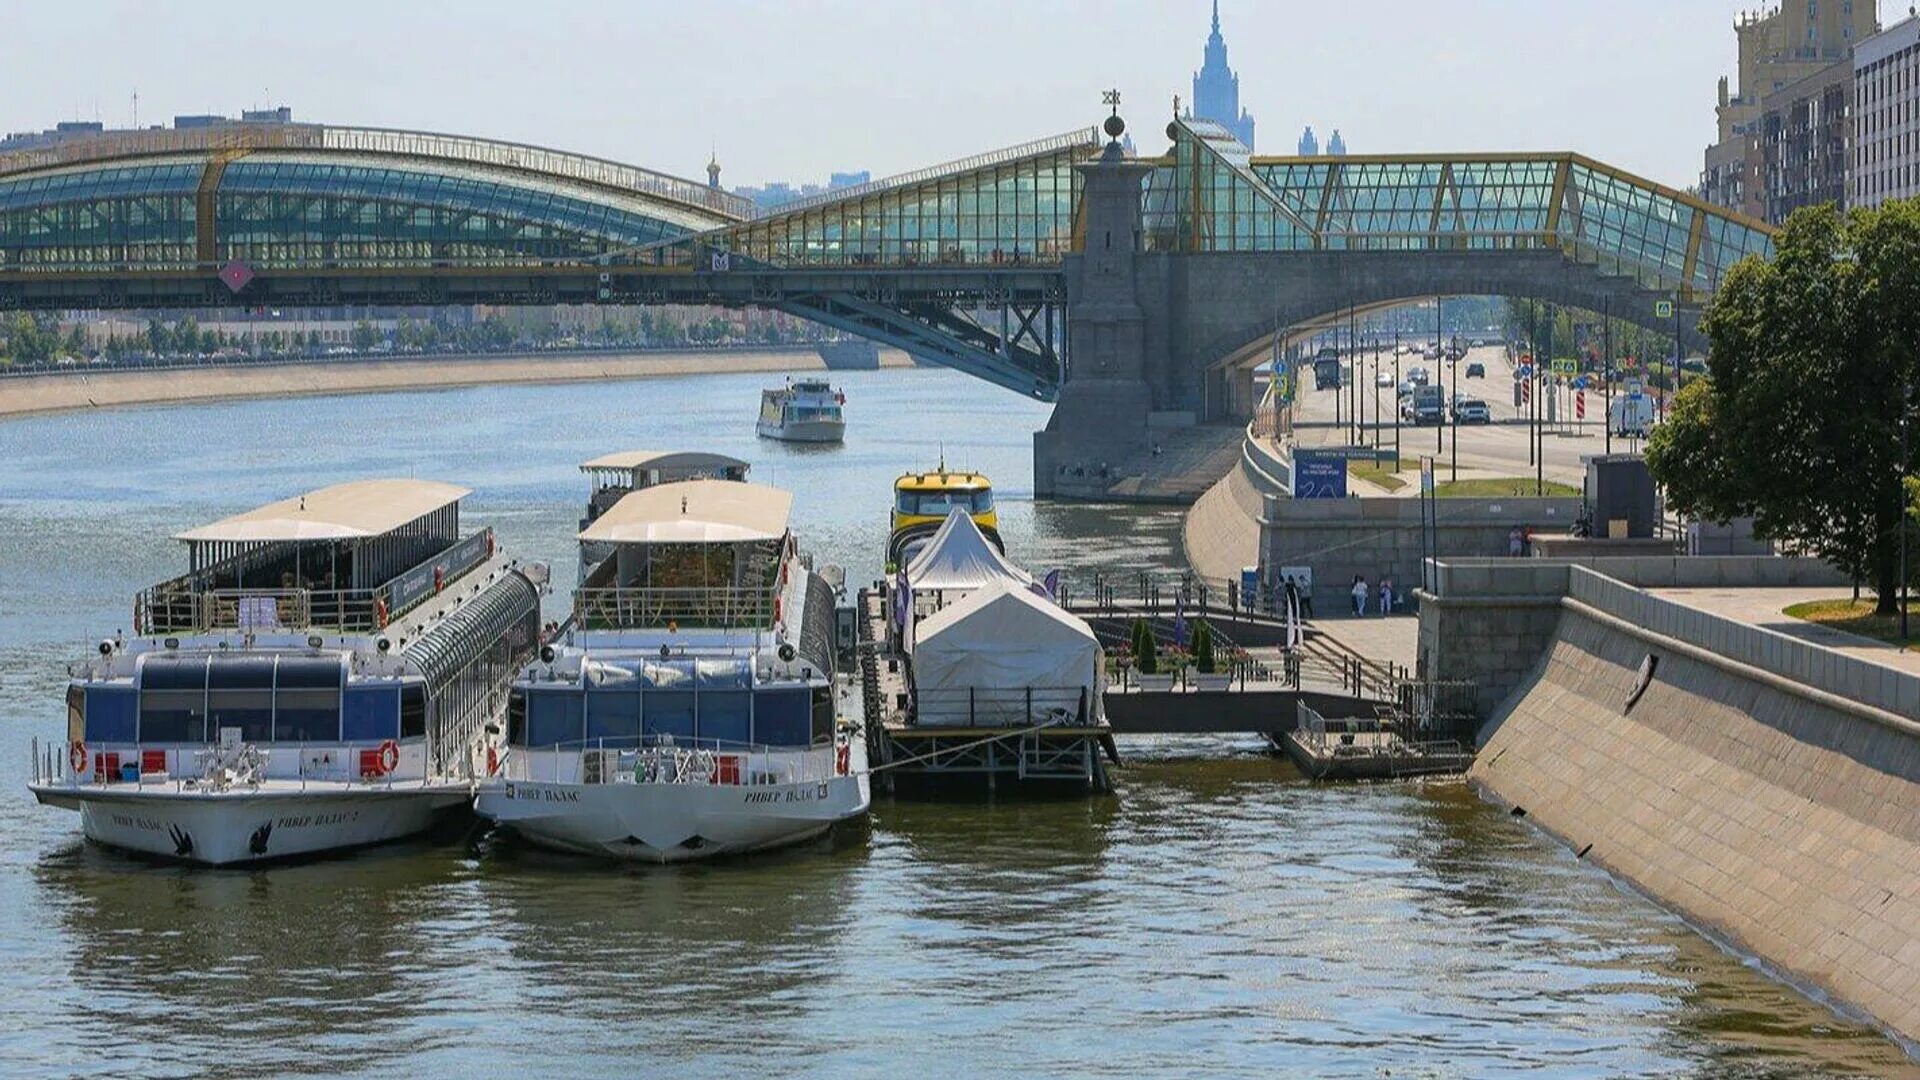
(1764, 787)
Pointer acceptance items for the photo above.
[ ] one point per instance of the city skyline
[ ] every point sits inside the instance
(740, 80)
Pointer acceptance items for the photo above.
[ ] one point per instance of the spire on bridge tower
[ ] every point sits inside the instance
(713, 170)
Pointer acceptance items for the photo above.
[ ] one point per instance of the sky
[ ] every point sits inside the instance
(796, 89)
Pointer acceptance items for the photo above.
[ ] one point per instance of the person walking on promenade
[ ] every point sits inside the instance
(1386, 595)
(1359, 595)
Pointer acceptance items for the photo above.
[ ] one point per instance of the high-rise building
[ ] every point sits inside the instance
(1803, 134)
(1337, 146)
(1309, 145)
(1886, 115)
(1216, 89)
(1787, 44)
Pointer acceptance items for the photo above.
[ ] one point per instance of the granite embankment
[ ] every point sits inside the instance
(1766, 788)
(104, 388)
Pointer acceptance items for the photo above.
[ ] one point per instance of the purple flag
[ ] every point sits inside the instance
(1053, 583)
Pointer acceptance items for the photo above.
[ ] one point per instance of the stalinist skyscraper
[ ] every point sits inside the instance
(1216, 89)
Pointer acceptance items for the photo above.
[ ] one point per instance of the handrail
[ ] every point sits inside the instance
(720, 608)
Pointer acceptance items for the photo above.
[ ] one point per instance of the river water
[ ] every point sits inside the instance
(1215, 916)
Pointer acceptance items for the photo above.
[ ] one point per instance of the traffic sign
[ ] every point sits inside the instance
(1426, 476)
(1566, 365)
(1663, 309)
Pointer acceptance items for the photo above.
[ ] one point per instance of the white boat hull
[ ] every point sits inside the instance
(228, 828)
(805, 431)
(663, 823)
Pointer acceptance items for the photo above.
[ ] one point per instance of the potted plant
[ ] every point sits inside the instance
(1207, 674)
(1146, 658)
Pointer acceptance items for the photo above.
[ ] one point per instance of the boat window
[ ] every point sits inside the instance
(173, 699)
(823, 714)
(516, 717)
(413, 711)
(669, 712)
(554, 718)
(941, 503)
(722, 675)
(249, 710)
(173, 716)
(306, 716)
(781, 718)
(109, 714)
(370, 714)
(726, 717)
(613, 718)
(983, 501)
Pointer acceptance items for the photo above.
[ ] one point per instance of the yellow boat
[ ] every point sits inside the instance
(922, 501)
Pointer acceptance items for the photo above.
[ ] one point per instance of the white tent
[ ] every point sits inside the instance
(1004, 656)
(960, 557)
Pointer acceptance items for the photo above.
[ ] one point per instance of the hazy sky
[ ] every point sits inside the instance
(792, 90)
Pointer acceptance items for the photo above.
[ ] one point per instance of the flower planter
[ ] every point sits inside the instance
(1219, 680)
(1154, 682)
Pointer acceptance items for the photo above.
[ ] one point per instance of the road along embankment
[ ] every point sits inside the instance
(101, 389)
(1765, 788)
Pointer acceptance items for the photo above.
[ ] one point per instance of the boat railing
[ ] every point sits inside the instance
(183, 606)
(692, 608)
(212, 769)
(657, 760)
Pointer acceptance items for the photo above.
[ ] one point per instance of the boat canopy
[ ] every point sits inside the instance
(669, 464)
(355, 510)
(959, 557)
(696, 512)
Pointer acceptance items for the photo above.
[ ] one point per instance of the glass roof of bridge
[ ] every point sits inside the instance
(1210, 194)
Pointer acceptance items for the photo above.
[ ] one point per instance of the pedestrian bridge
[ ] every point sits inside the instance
(965, 263)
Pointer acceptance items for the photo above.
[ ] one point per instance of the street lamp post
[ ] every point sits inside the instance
(1396, 394)
(1606, 373)
(1906, 512)
(1440, 429)
(1453, 361)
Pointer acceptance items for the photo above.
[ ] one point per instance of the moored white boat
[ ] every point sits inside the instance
(330, 673)
(688, 710)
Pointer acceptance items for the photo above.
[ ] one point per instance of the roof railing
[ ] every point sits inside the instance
(1079, 137)
(369, 140)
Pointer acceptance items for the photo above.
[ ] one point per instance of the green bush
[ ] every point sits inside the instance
(1145, 649)
(1203, 661)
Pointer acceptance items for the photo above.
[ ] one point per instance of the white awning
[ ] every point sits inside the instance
(959, 556)
(1000, 652)
(694, 512)
(664, 460)
(354, 510)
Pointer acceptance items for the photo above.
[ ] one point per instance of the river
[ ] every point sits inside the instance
(1215, 916)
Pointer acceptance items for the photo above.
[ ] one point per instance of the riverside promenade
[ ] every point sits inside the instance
(106, 387)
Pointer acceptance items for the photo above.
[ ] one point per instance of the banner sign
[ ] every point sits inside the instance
(417, 584)
(1319, 475)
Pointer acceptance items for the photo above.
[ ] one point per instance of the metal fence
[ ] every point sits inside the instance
(701, 608)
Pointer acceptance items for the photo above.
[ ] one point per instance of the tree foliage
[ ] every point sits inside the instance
(1799, 426)
(1146, 653)
(1203, 658)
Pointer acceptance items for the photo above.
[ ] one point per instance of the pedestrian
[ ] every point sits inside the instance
(1359, 595)
(1514, 542)
(1386, 595)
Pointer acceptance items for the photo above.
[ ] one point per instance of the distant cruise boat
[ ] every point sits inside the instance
(807, 411)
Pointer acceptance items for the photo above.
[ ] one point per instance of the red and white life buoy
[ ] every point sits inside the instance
(389, 756)
(842, 759)
(380, 612)
(77, 756)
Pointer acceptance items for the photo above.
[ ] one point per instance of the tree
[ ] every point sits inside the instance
(1798, 425)
(1146, 658)
(365, 337)
(1203, 660)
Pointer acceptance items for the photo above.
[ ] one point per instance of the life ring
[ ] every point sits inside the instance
(380, 612)
(842, 759)
(439, 579)
(489, 545)
(493, 760)
(77, 756)
(389, 756)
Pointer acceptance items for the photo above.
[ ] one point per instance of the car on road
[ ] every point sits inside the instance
(1428, 405)
(1476, 370)
(1417, 376)
(1468, 410)
(1383, 379)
